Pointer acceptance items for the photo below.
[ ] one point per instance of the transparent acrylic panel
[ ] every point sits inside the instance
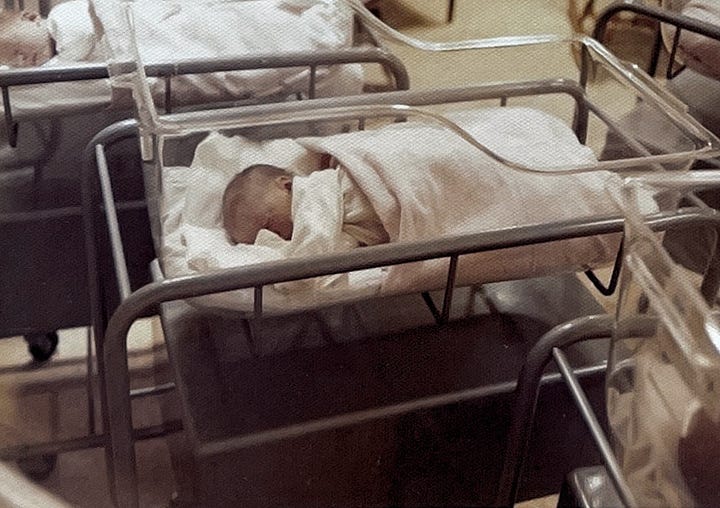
(662, 384)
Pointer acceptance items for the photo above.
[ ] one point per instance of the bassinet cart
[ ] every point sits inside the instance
(661, 405)
(235, 403)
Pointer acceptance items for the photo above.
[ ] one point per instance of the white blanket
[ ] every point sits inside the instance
(166, 31)
(433, 184)
(426, 182)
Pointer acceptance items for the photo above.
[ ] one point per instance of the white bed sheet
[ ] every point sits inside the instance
(194, 241)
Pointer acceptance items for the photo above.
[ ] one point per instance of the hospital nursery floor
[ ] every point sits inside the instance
(41, 402)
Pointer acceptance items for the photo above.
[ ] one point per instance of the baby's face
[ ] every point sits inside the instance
(24, 40)
(273, 211)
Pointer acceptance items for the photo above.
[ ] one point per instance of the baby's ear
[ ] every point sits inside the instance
(284, 182)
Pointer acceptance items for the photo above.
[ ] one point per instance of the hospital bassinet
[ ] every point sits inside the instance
(318, 391)
(663, 362)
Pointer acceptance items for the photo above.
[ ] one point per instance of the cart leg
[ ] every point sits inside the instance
(39, 467)
(42, 345)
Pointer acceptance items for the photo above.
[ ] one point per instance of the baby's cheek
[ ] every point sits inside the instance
(43, 55)
(18, 59)
(281, 226)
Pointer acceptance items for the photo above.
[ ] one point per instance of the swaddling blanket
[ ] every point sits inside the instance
(423, 182)
(426, 182)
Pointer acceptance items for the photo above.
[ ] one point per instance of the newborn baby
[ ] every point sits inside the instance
(24, 39)
(260, 197)
(71, 33)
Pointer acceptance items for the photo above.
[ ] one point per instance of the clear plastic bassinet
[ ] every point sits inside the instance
(662, 389)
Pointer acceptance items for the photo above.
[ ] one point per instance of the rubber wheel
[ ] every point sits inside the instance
(38, 468)
(42, 345)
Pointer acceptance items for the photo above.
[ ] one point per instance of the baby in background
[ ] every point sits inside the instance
(24, 39)
(71, 32)
(260, 197)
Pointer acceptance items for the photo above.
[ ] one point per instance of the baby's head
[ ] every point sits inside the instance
(260, 197)
(24, 39)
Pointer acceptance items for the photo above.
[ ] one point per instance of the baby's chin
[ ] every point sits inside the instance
(40, 56)
(35, 60)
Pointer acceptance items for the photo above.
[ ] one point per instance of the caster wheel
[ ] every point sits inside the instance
(42, 345)
(39, 467)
